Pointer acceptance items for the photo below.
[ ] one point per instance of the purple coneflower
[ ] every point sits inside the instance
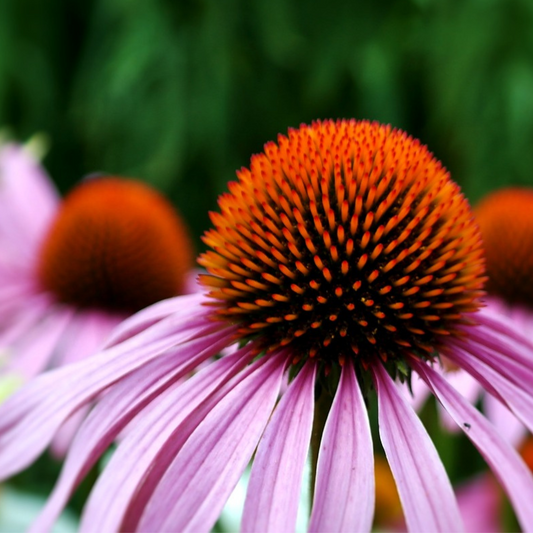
(344, 260)
(505, 219)
(71, 270)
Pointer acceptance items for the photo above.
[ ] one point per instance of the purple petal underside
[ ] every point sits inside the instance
(345, 491)
(193, 491)
(275, 483)
(504, 461)
(425, 491)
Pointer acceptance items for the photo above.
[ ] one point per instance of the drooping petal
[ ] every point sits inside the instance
(425, 491)
(344, 492)
(83, 338)
(87, 334)
(503, 459)
(152, 383)
(276, 479)
(480, 504)
(174, 309)
(44, 404)
(517, 398)
(22, 179)
(500, 327)
(467, 386)
(504, 420)
(194, 489)
(21, 319)
(418, 395)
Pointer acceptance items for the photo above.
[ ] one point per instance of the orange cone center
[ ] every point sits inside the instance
(115, 244)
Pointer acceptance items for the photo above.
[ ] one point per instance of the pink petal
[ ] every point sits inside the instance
(467, 386)
(44, 404)
(480, 504)
(277, 471)
(33, 352)
(23, 318)
(21, 178)
(194, 489)
(425, 491)
(86, 335)
(500, 327)
(82, 339)
(503, 459)
(420, 393)
(111, 414)
(344, 492)
(517, 398)
(174, 309)
(505, 421)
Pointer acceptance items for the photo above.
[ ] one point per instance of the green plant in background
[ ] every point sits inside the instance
(178, 93)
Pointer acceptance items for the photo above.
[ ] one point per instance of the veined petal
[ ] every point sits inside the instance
(176, 308)
(276, 479)
(44, 404)
(425, 491)
(112, 413)
(517, 398)
(500, 327)
(345, 491)
(205, 471)
(83, 338)
(466, 385)
(503, 459)
(515, 362)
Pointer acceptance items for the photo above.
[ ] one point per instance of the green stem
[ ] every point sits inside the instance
(322, 407)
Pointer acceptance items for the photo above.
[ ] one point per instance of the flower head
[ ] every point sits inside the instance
(345, 240)
(344, 257)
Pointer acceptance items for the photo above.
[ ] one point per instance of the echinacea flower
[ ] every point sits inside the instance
(71, 270)
(345, 260)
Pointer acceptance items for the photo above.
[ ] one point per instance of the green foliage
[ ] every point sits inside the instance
(181, 93)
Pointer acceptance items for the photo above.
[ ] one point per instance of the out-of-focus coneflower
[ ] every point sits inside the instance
(345, 258)
(505, 219)
(71, 270)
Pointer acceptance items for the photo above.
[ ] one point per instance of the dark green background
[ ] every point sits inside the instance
(181, 93)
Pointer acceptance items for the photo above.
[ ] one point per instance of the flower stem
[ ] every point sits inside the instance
(322, 407)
